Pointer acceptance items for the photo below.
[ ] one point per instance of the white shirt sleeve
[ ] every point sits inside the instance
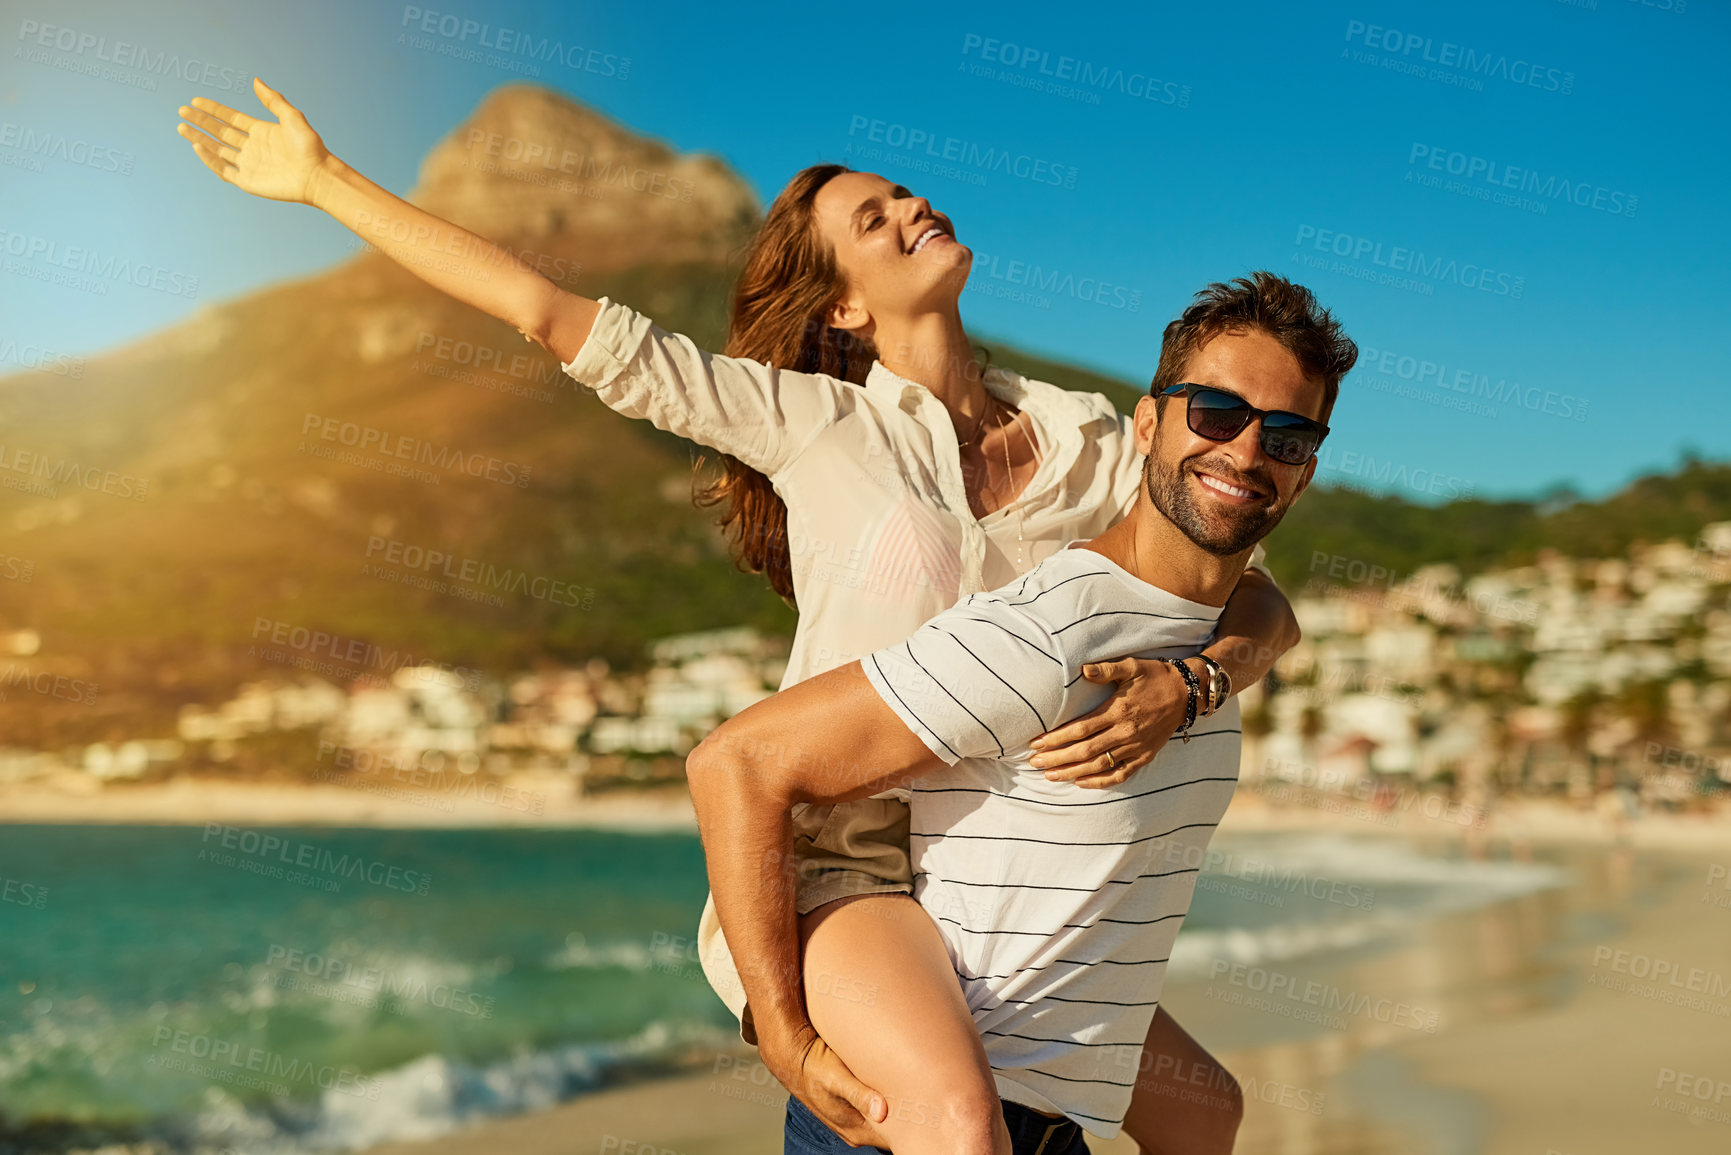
(980, 680)
(762, 415)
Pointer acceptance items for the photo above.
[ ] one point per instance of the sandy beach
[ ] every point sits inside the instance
(1588, 1017)
(1529, 1059)
(1546, 1042)
(1547, 1039)
(547, 800)
(523, 800)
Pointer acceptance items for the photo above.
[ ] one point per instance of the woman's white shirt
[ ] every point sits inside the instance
(880, 533)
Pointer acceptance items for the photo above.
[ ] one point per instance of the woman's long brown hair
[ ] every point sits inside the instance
(789, 282)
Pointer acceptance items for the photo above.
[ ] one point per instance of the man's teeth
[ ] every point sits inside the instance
(924, 237)
(1216, 483)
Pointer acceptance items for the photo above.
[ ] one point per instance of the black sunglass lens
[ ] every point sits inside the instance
(1287, 440)
(1217, 416)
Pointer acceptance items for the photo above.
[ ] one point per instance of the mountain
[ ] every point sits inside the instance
(532, 163)
(198, 516)
(188, 517)
(157, 600)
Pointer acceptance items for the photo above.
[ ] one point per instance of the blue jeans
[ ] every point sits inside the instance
(1031, 1133)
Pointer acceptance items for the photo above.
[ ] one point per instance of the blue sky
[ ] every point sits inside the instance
(1518, 206)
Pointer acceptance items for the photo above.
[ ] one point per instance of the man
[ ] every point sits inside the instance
(1057, 907)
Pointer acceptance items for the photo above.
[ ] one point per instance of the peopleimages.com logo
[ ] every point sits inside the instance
(1439, 376)
(89, 54)
(1027, 66)
(1411, 263)
(464, 38)
(971, 157)
(42, 145)
(1409, 52)
(90, 270)
(1490, 178)
(272, 851)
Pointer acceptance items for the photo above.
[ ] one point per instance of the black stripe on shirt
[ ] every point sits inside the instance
(1061, 999)
(1037, 886)
(1066, 926)
(1140, 962)
(1071, 1042)
(1078, 805)
(1049, 842)
(1065, 582)
(1000, 678)
(908, 646)
(1067, 1079)
(1136, 613)
(891, 684)
(1035, 646)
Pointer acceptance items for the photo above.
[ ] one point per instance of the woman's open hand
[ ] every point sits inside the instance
(1122, 734)
(273, 159)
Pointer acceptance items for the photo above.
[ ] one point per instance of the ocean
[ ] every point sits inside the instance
(218, 989)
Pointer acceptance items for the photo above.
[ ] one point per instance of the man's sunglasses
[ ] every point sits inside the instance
(1289, 438)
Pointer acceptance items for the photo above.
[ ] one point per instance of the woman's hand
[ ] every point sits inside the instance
(285, 160)
(804, 1064)
(1122, 734)
(275, 160)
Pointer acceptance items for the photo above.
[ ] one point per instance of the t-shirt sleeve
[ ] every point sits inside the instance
(979, 680)
(762, 415)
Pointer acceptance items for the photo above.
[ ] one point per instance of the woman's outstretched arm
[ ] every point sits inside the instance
(1256, 627)
(286, 160)
(762, 415)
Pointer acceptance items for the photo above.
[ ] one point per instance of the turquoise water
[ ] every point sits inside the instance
(524, 942)
(285, 990)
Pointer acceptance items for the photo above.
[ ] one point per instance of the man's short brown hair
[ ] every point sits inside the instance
(1262, 301)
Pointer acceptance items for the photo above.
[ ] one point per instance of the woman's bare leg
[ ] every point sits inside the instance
(881, 991)
(1185, 1102)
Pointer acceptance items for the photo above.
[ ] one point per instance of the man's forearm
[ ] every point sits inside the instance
(1256, 627)
(830, 738)
(747, 837)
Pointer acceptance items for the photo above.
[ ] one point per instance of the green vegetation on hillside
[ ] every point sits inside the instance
(1478, 535)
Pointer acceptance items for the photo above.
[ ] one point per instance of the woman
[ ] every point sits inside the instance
(879, 476)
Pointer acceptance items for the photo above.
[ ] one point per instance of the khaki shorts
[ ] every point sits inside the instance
(839, 851)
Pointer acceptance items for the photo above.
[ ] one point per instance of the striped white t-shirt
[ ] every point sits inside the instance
(1058, 904)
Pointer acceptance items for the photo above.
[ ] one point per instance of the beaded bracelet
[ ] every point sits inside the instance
(1195, 687)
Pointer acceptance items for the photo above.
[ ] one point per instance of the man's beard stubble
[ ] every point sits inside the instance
(1224, 534)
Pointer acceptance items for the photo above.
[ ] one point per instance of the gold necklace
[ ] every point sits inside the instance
(1009, 479)
(1021, 554)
